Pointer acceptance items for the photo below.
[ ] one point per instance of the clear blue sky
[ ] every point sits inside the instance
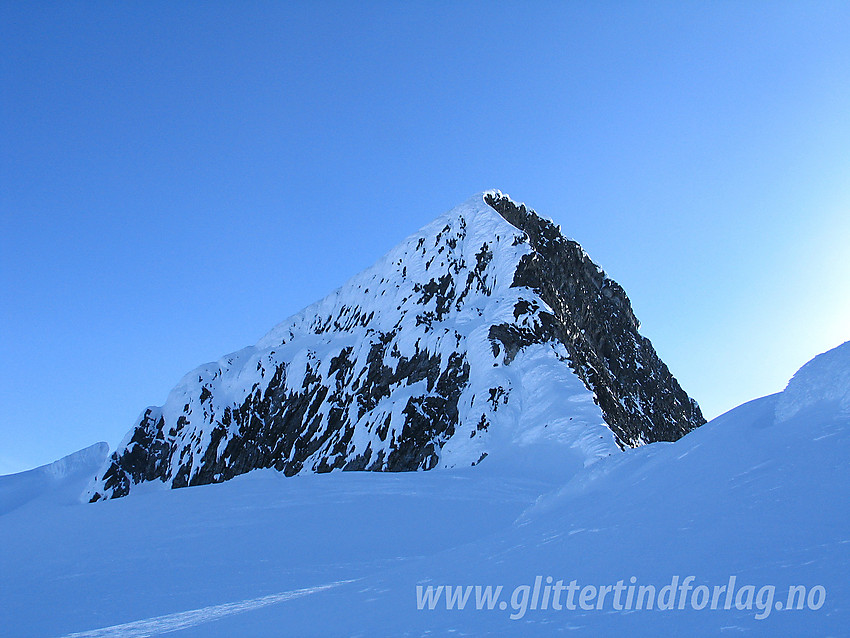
(176, 178)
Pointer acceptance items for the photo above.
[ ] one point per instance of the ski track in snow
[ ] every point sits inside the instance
(185, 619)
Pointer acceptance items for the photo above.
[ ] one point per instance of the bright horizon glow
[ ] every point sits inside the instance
(175, 180)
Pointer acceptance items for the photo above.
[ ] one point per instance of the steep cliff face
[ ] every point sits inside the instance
(484, 333)
(592, 316)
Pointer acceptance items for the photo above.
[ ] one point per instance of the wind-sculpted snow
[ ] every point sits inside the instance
(57, 482)
(433, 357)
(826, 378)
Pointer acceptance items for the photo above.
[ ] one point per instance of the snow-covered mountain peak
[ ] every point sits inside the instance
(485, 335)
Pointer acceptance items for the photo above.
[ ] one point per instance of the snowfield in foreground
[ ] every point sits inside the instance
(759, 495)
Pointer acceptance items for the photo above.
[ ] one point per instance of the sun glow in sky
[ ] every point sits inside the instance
(177, 178)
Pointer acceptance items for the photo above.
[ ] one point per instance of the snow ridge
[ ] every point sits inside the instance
(60, 482)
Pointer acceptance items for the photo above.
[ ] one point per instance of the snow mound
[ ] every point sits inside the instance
(59, 482)
(824, 379)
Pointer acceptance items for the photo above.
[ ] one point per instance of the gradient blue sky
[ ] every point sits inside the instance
(176, 178)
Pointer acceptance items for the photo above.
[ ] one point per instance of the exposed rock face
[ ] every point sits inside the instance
(592, 316)
(484, 331)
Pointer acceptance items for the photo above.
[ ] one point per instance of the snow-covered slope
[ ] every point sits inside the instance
(823, 381)
(749, 495)
(59, 482)
(483, 334)
(755, 495)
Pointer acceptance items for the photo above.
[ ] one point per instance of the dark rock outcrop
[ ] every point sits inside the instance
(593, 318)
